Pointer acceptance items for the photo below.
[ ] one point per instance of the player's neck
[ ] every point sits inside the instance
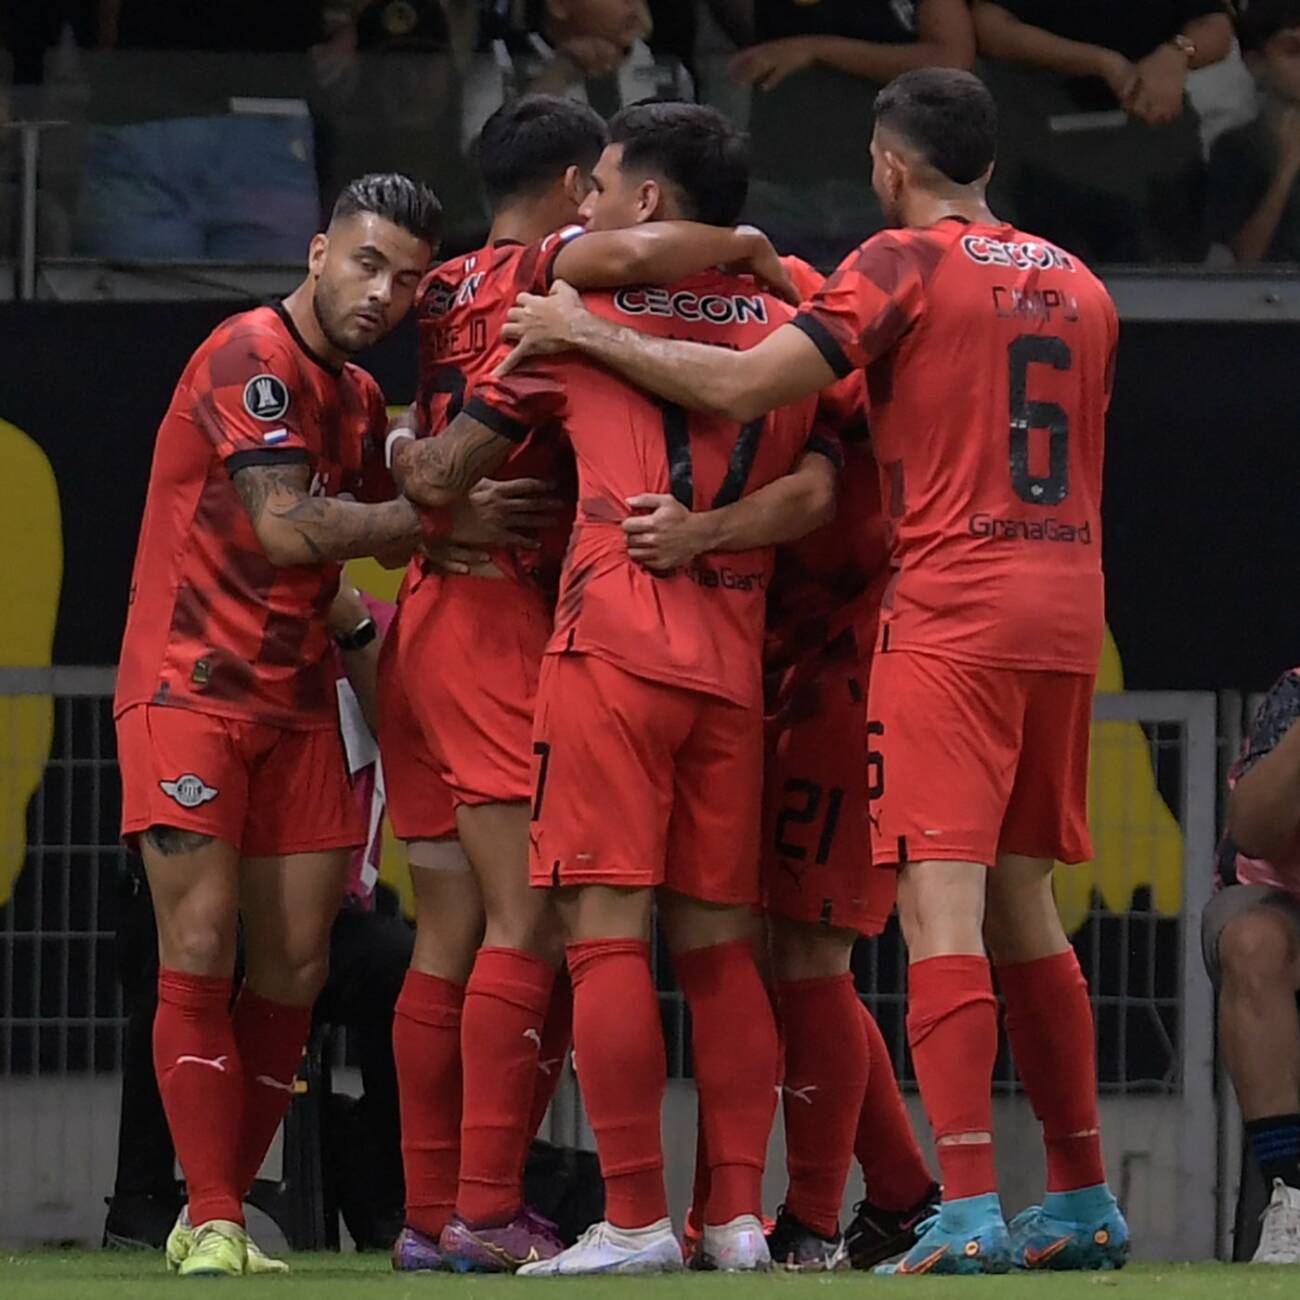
(302, 312)
(925, 211)
(523, 223)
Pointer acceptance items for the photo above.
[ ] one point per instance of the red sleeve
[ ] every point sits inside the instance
(530, 395)
(375, 481)
(535, 270)
(842, 406)
(875, 296)
(247, 402)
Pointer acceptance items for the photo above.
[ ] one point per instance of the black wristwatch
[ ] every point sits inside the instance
(360, 636)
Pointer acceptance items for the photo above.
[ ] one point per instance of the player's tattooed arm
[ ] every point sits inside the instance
(784, 367)
(439, 472)
(297, 528)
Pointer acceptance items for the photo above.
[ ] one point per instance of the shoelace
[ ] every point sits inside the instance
(539, 1223)
(927, 1223)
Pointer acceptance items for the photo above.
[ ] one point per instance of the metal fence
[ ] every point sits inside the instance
(1134, 916)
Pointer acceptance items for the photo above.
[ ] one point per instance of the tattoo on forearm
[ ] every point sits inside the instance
(171, 841)
(328, 528)
(441, 469)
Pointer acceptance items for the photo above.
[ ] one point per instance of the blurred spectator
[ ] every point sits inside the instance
(201, 156)
(1251, 939)
(1101, 149)
(390, 96)
(1254, 199)
(595, 51)
(815, 70)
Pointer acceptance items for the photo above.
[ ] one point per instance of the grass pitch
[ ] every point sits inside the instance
(95, 1275)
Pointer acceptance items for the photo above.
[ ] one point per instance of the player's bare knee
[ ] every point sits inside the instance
(691, 923)
(293, 981)
(801, 951)
(198, 943)
(1259, 949)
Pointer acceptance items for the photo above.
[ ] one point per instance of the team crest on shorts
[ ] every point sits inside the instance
(266, 397)
(189, 790)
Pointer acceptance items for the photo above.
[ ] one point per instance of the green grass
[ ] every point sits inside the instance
(91, 1275)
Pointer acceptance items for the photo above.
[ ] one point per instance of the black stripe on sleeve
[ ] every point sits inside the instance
(266, 456)
(827, 447)
(505, 426)
(821, 338)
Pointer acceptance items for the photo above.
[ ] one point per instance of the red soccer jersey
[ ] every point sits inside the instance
(833, 578)
(989, 356)
(460, 310)
(213, 625)
(701, 627)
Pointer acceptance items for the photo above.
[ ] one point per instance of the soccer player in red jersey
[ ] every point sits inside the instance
(989, 357)
(840, 1093)
(234, 785)
(648, 735)
(460, 683)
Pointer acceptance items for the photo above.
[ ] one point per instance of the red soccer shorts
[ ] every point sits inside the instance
(816, 835)
(267, 790)
(418, 803)
(978, 761)
(470, 650)
(639, 784)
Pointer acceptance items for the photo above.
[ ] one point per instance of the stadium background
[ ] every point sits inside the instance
(1201, 545)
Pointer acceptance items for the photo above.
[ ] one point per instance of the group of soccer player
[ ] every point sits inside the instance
(754, 619)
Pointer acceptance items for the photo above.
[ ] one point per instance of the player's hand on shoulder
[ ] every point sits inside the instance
(664, 534)
(765, 265)
(539, 325)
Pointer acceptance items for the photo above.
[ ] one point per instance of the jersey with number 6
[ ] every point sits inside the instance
(700, 627)
(989, 355)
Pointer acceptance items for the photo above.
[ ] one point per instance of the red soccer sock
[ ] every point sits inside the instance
(270, 1037)
(426, 1051)
(197, 1063)
(557, 1038)
(893, 1168)
(733, 1037)
(826, 1064)
(952, 1025)
(618, 1049)
(500, 1036)
(1049, 1023)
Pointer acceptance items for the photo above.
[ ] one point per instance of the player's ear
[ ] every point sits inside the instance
(317, 252)
(649, 197)
(575, 186)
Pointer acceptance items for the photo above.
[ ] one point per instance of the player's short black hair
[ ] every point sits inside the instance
(948, 115)
(694, 148)
(397, 198)
(1261, 20)
(528, 143)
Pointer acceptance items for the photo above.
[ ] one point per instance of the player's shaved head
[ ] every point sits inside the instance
(690, 148)
(529, 144)
(944, 117)
(366, 266)
(406, 203)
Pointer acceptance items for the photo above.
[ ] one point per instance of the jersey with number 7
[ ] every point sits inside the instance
(700, 627)
(989, 356)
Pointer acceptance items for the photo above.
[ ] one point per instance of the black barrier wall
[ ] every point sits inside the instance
(1202, 477)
